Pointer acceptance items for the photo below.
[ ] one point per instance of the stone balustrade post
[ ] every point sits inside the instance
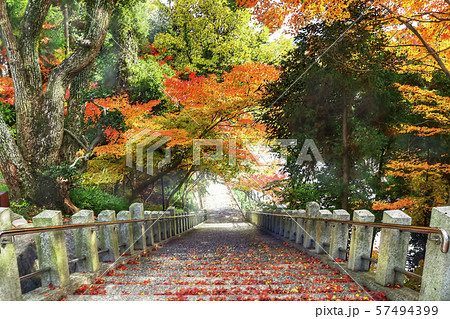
(164, 224)
(269, 220)
(9, 271)
(300, 227)
(265, 219)
(361, 242)
(393, 248)
(171, 224)
(184, 221)
(181, 221)
(149, 225)
(126, 242)
(280, 222)
(189, 221)
(293, 229)
(137, 212)
(436, 271)
(51, 249)
(86, 245)
(312, 210)
(287, 223)
(339, 235)
(157, 227)
(109, 238)
(323, 234)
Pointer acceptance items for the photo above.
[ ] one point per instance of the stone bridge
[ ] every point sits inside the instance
(309, 254)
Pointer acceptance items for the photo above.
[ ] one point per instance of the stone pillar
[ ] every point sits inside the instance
(280, 222)
(312, 210)
(436, 271)
(293, 228)
(323, 235)
(126, 241)
(287, 223)
(170, 213)
(149, 238)
(51, 249)
(164, 225)
(265, 220)
(361, 242)
(299, 232)
(339, 235)
(9, 278)
(137, 212)
(156, 226)
(188, 220)
(393, 249)
(109, 238)
(86, 242)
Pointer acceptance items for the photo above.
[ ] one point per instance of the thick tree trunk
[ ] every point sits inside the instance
(76, 108)
(40, 118)
(127, 45)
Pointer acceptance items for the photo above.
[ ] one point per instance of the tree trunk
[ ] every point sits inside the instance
(74, 120)
(40, 117)
(127, 44)
(66, 28)
(345, 160)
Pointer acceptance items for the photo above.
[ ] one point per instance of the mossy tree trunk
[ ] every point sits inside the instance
(40, 116)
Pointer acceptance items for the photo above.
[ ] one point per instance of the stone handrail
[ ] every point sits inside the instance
(123, 233)
(320, 231)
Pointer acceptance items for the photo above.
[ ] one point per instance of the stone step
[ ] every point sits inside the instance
(263, 280)
(222, 273)
(287, 289)
(262, 297)
(218, 267)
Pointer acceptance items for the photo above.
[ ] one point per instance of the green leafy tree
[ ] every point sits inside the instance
(210, 36)
(341, 95)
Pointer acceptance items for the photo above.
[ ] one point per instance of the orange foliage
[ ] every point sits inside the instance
(404, 203)
(6, 90)
(433, 108)
(429, 18)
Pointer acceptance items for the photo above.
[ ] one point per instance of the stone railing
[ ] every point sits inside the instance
(127, 233)
(327, 234)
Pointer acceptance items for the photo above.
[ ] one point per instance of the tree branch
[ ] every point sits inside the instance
(76, 139)
(411, 28)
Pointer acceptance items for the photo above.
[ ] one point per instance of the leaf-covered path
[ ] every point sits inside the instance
(224, 261)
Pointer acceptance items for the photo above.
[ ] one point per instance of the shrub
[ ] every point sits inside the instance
(93, 198)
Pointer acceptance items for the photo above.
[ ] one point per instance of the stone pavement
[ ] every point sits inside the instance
(225, 258)
(224, 261)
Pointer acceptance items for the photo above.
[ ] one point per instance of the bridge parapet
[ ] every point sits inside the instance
(327, 233)
(121, 231)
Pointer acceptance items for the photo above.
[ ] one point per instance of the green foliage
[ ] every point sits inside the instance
(64, 172)
(145, 79)
(352, 86)
(208, 36)
(24, 208)
(95, 199)
(9, 116)
(245, 201)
